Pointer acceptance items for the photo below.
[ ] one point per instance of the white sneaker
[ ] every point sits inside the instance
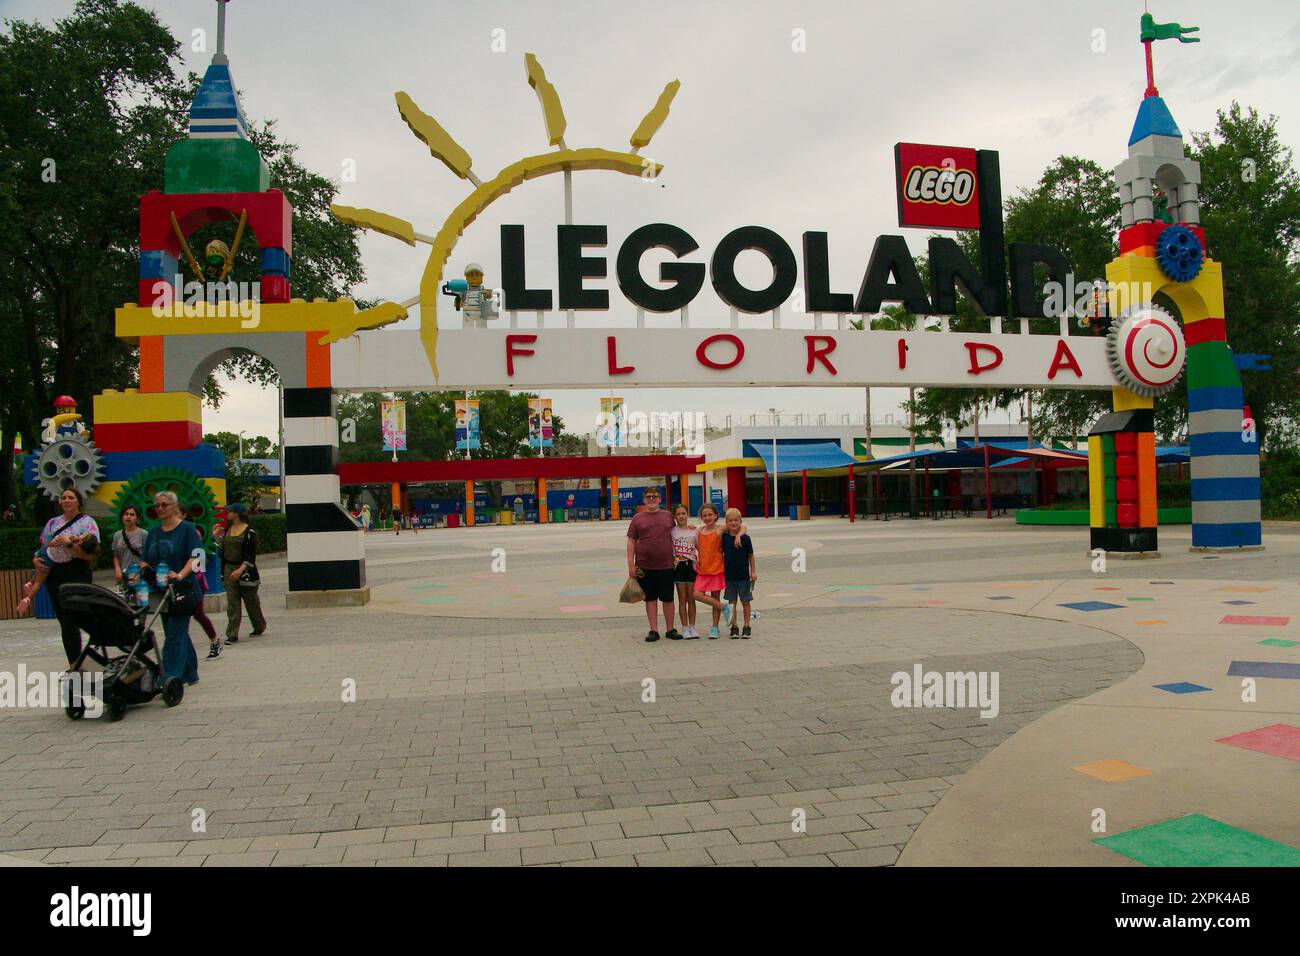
(690, 632)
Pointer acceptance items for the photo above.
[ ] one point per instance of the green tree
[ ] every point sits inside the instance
(89, 107)
(1250, 207)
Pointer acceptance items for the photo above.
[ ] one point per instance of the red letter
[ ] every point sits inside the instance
(1064, 359)
(816, 354)
(975, 367)
(511, 351)
(701, 353)
(611, 347)
(902, 354)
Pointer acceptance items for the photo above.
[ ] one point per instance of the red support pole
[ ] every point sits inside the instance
(853, 493)
(1151, 78)
(988, 495)
(805, 487)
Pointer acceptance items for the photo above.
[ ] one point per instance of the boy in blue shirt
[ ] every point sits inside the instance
(739, 570)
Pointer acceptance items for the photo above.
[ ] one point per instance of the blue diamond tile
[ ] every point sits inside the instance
(1091, 606)
(1238, 602)
(1181, 687)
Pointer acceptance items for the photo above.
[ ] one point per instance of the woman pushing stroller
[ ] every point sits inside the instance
(175, 543)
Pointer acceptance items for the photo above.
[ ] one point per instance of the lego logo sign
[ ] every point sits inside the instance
(937, 186)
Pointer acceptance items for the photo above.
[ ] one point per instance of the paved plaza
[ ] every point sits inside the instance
(527, 692)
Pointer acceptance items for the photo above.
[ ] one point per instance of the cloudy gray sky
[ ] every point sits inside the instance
(760, 133)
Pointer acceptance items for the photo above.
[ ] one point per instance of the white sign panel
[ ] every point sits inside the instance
(535, 359)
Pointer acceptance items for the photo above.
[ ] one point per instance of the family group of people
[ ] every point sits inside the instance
(70, 545)
(678, 564)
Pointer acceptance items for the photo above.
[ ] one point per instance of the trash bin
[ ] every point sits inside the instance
(507, 517)
(453, 520)
(804, 512)
(558, 515)
(794, 512)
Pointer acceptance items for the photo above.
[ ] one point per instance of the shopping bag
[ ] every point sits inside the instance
(631, 593)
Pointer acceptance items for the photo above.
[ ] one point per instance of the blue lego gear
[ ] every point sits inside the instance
(1179, 254)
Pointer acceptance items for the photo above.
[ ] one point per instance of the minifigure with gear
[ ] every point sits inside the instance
(471, 297)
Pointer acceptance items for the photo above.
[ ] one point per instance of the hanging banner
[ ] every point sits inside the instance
(541, 433)
(611, 430)
(467, 432)
(392, 423)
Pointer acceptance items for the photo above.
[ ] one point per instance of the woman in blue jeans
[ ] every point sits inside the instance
(175, 542)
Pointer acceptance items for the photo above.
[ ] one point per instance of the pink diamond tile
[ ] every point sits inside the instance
(1254, 619)
(1277, 740)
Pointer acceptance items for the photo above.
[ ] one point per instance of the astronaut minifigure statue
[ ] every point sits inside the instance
(471, 297)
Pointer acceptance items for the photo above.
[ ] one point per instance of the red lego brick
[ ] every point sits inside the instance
(1126, 489)
(275, 289)
(1126, 514)
(148, 436)
(1146, 234)
(1126, 466)
(270, 218)
(1126, 442)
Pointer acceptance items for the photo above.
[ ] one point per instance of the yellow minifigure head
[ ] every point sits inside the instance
(474, 274)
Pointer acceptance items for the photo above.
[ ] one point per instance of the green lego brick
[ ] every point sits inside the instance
(216, 166)
(1210, 365)
(1110, 495)
(1112, 514)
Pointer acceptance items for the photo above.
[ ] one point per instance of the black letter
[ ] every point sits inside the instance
(574, 267)
(891, 258)
(686, 277)
(515, 293)
(722, 269)
(1025, 303)
(950, 268)
(817, 293)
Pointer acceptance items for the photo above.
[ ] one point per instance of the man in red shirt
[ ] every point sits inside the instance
(650, 561)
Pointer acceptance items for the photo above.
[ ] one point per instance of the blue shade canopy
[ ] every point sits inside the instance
(802, 457)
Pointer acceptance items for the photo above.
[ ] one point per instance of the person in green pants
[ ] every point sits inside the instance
(239, 564)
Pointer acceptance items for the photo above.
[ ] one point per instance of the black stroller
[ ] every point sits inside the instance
(112, 624)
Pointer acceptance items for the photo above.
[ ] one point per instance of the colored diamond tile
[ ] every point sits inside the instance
(1107, 589)
(1276, 740)
(577, 592)
(932, 602)
(582, 608)
(1141, 599)
(1153, 622)
(1001, 597)
(851, 587)
(1091, 605)
(1160, 582)
(1278, 642)
(1181, 687)
(1237, 602)
(1113, 771)
(1246, 589)
(1252, 619)
(1264, 669)
(1198, 840)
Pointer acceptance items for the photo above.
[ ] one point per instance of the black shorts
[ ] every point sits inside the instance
(684, 573)
(657, 584)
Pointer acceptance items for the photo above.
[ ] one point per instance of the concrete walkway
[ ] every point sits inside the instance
(523, 694)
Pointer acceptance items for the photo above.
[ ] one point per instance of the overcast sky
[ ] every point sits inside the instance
(759, 134)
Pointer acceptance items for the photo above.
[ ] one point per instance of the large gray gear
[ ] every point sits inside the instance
(68, 461)
(1147, 351)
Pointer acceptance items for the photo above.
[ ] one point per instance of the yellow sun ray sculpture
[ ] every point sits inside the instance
(444, 148)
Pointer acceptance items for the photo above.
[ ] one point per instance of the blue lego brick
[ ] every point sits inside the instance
(276, 262)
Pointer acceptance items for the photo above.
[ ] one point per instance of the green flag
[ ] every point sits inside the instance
(1166, 31)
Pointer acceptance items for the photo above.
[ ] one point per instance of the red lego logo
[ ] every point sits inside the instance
(938, 186)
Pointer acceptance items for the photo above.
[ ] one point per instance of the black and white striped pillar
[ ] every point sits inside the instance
(326, 549)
